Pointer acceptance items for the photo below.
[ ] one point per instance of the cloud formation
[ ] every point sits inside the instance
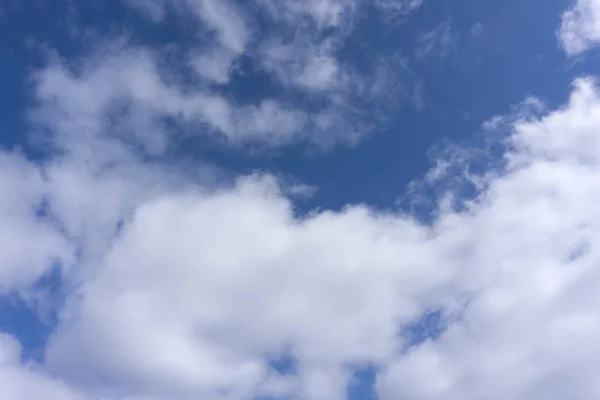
(300, 57)
(199, 289)
(580, 27)
(180, 286)
(528, 333)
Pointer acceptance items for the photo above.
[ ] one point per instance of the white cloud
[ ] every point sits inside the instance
(121, 90)
(226, 19)
(529, 331)
(320, 72)
(219, 281)
(222, 18)
(201, 286)
(580, 27)
(215, 65)
(77, 106)
(306, 64)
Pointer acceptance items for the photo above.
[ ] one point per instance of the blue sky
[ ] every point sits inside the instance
(481, 70)
(301, 199)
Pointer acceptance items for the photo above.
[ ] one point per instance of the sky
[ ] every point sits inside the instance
(299, 200)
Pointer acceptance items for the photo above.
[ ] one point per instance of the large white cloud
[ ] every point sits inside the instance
(179, 289)
(530, 331)
(202, 288)
(217, 282)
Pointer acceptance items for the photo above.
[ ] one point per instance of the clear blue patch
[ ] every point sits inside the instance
(362, 384)
(18, 319)
(12, 101)
(285, 364)
(429, 327)
(31, 321)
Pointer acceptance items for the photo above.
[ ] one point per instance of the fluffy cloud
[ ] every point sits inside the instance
(178, 288)
(238, 278)
(580, 27)
(202, 290)
(121, 89)
(529, 330)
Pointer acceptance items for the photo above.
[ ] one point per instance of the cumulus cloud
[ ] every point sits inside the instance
(123, 89)
(259, 281)
(214, 65)
(201, 289)
(528, 332)
(580, 27)
(239, 278)
(179, 288)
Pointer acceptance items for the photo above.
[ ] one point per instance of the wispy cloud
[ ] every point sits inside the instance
(200, 285)
(439, 42)
(477, 29)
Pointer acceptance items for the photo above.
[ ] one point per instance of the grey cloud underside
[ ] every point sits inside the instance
(182, 288)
